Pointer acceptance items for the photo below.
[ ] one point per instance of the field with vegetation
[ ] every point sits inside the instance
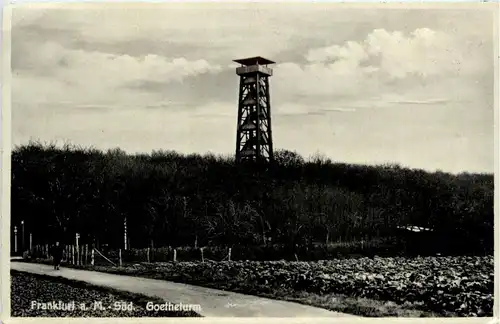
(373, 287)
(292, 206)
(26, 288)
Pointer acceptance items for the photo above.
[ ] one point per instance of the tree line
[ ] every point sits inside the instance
(171, 199)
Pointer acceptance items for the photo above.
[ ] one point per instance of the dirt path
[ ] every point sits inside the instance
(214, 303)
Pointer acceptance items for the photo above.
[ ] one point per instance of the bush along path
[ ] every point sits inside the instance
(423, 286)
(28, 288)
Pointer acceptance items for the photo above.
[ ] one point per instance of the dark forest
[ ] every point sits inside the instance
(170, 199)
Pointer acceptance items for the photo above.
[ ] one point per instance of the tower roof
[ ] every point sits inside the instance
(254, 61)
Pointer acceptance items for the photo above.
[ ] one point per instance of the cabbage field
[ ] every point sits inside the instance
(461, 286)
(438, 286)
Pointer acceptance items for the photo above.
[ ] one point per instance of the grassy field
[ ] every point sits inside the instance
(27, 288)
(403, 287)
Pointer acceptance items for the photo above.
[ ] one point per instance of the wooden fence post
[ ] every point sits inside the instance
(147, 252)
(47, 251)
(72, 254)
(229, 255)
(77, 248)
(15, 239)
(92, 257)
(175, 255)
(120, 256)
(202, 258)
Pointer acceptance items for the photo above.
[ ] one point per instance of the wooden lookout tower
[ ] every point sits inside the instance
(254, 137)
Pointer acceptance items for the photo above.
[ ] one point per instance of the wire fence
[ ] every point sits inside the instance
(84, 255)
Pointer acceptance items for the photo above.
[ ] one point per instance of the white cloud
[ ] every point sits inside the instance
(59, 73)
(385, 61)
(421, 102)
(226, 33)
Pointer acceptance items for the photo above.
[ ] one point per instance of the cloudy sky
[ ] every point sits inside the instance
(371, 86)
